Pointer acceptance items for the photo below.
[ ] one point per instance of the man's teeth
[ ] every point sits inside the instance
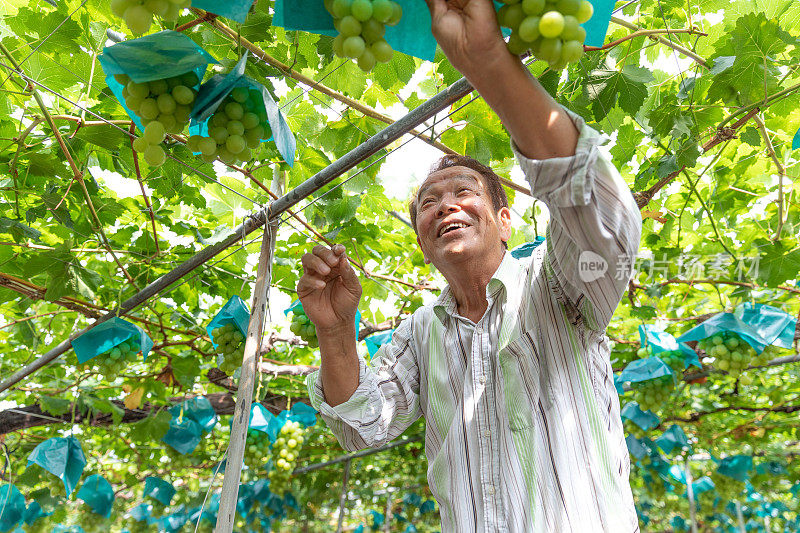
(454, 225)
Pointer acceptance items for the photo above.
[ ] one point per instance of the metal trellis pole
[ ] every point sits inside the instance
(355, 156)
(244, 396)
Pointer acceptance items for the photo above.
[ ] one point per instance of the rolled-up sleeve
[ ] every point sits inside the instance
(595, 225)
(386, 401)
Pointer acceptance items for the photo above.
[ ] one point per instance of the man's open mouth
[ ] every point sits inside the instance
(453, 226)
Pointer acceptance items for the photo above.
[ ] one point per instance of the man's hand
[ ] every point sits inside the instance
(329, 288)
(468, 32)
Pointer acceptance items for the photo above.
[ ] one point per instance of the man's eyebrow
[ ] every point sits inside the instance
(455, 177)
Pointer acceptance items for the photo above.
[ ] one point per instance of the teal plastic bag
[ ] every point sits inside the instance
(412, 35)
(198, 409)
(679, 524)
(427, 506)
(773, 468)
(183, 435)
(141, 513)
(773, 325)
(412, 498)
(105, 336)
(234, 312)
(704, 484)
(526, 250)
(377, 519)
(33, 513)
(153, 57)
(645, 369)
(677, 473)
(59, 528)
(214, 91)
(160, 490)
(303, 413)
(597, 26)
(736, 466)
(98, 494)
(673, 437)
(12, 507)
(645, 420)
(635, 447)
(62, 457)
(376, 340)
(233, 9)
(662, 341)
(759, 326)
(260, 419)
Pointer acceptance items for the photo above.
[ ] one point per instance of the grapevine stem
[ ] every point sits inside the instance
(643, 33)
(665, 42)
(141, 185)
(762, 128)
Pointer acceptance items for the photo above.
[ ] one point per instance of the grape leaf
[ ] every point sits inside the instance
(54, 406)
(151, 428)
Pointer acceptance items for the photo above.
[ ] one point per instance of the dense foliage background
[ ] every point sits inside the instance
(700, 123)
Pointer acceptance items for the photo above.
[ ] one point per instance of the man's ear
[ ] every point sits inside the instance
(424, 255)
(504, 223)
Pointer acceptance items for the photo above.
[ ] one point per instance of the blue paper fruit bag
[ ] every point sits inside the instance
(156, 78)
(233, 115)
(112, 345)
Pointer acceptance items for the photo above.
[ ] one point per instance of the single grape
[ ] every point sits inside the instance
(341, 8)
(361, 10)
(140, 145)
(354, 46)
(234, 110)
(366, 61)
(140, 90)
(166, 103)
(568, 7)
(156, 7)
(158, 87)
(250, 121)
(533, 7)
(148, 109)
(516, 45)
(138, 19)
(239, 94)
(235, 144)
(550, 50)
(154, 132)
(585, 11)
(382, 51)
(512, 16)
(529, 29)
(154, 155)
(372, 31)
(182, 94)
(349, 26)
(397, 14)
(571, 51)
(219, 134)
(382, 10)
(118, 8)
(551, 25)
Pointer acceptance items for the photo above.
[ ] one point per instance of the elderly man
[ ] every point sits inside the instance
(510, 365)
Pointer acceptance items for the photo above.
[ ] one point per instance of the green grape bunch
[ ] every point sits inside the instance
(237, 126)
(164, 106)
(653, 393)
(551, 30)
(304, 328)
(644, 351)
(138, 14)
(257, 448)
(113, 361)
(230, 343)
(285, 451)
(361, 25)
(734, 354)
(92, 522)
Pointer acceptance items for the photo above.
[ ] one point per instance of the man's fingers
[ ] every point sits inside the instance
(326, 254)
(315, 264)
(309, 284)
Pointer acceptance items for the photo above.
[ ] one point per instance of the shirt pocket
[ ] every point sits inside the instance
(519, 364)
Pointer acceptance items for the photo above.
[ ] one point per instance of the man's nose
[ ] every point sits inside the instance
(447, 205)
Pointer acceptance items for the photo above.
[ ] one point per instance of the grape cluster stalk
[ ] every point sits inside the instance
(733, 354)
(361, 25)
(551, 31)
(302, 326)
(238, 126)
(164, 106)
(138, 14)
(285, 451)
(230, 342)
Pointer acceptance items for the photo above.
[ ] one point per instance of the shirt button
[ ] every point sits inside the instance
(487, 433)
(490, 490)
(482, 379)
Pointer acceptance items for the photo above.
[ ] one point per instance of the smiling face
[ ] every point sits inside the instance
(456, 220)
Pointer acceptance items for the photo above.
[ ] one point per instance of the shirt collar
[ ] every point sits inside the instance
(445, 305)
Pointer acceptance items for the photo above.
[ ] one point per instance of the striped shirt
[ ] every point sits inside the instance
(523, 430)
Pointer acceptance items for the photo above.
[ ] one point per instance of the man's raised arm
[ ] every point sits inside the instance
(470, 37)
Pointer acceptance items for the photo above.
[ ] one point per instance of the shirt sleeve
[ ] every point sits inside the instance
(386, 401)
(595, 225)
